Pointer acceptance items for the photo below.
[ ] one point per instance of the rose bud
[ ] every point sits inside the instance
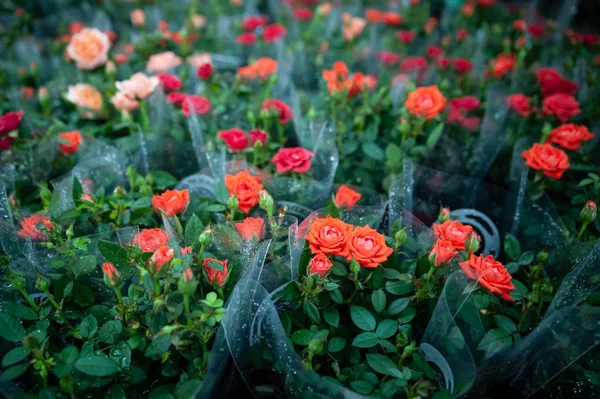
(400, 237)
(87, 198)
(266, 201)
(162, 256)
(319, 264)
(232, 203)
(119, 192)
(589, 212)
(472, 243)
(112, 278)
(442, 252)
(18, 282)
(42, 283)
(206, 237)
(187, 283)
(444, 215)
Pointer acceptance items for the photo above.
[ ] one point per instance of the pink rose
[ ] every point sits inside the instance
(295, 159)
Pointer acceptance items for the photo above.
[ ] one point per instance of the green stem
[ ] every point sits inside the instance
(52, 301)
(145, 119)
(178, 227)
(583, 227)
(186, 303)
(28, 298)
(156, 285)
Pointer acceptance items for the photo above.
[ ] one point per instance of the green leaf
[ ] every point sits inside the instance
(336, 344)
(382, 364)
(97, 366)
(302, 337)
(148, 283)
(349, 146)
(373, 151)
(163, 180)
(15, 355)
(505, 323)
(84, 265)
(10, 328)
(378, 300)
(495, 340)
(434, 136)
(121, 354)
(336, 296)
(387, 328)
(188, 389)
(331, 316)
(393, 154)
(407, 315)
(158, 346)
(69, 354)
(512, 267)
(311, 311)
(520, 290)
(113, 253)
(365, 340)
(115, 392)
(398, 306)
(20, 311)
(77, 190)
(110, 331)
(361, 386)
(221, 193)
(526, 258)
(362, 318)
(13, 372)
(512, 248)
(193, 229)
(215, 265)
(398, 287)
(62, 369)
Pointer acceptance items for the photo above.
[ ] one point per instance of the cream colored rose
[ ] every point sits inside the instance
(89, 48)
(85, 96)
(138, 86)
(198, 20)
(124, 103)
(197, 60)
(163, 62)
(138, 18)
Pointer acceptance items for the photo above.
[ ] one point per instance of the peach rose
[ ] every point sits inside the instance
(426, 102)
(320, 265)
(149, 240)
(368, 247)
(329, 236)
(163, 62)
(89, 48)
(123, 103)
(197, 60)
(171, 202)
(198, 20)
(138, 86)
(250, 227)
(85, 96)
(138, 18)
(352, 26)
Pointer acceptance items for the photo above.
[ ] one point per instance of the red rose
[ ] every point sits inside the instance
(590, 39)
(235, 139)
(149, 240)
(536, 31)
(434, 51)
(169, 82)
(205, 71)
(171, 202)
(176, 98)
(387, 57)
(111, 275)
(273, 32)
(250, 227)
(391, 18)
(562, 106)
(442, 252)
(10, 121)
(502, 64)
(214, 275)
(413, 64)
(319, 264)
(406, 36)
(346, 198)
(490, 274)
(295, 159)
(30, 227)
(442, 63)
(462, 34)
(69, 142)
(552, 161)
(303, 14)
(519, 103)
(252, 22)
(453, 231)
(162, 256)
(570, 136)
(279, 107)
(246, 39)
(257, 135)
(470, 123)
(462, 65)
(200, 105)
(468, 103)
(552, 82)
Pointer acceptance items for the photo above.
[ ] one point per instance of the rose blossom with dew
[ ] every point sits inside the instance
(69, 142)
(214, 275)
(85, 96)
(426, 102)
(138, 86)
(111, 273)
(442, 252)
(124, 103)
(319, 264)
(245, 187)
(89, 48)
(346, 198)
(368, 247)
(329, 236)
(490, 274)
(235, 139)
(163, 62)
(250, 227)
(149, 240)
(292, 159)
(29, 227)
(137, 17)
(171, 202)
(162, 256)
(453, 231)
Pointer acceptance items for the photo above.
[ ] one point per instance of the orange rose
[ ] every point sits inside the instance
(368, 247)
(551, 161)
(245, 187)
(89, 48)
(262, 68)
(149, 240)
(29, 227)
(213, 275)
(570, 136)
(346, 198)
(502, 64)
(329, 236)
(319, 264)
(171, 202)
(442, 252)
(427, 102)
(85, 96)
(453, 231)
(162, 256)
(69, 142)
(490, 274)
(250, 227)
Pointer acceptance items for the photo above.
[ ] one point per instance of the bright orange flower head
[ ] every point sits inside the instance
(171, 202)
(69, 142)
(329, 236)
(262, 68)
(250, 227)
(426, 102)
(368, 247)
(453, 231)
(29, 227)
(442, 252)
(214, 275)
(346, 198)
(245, 187)
(490, 274)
